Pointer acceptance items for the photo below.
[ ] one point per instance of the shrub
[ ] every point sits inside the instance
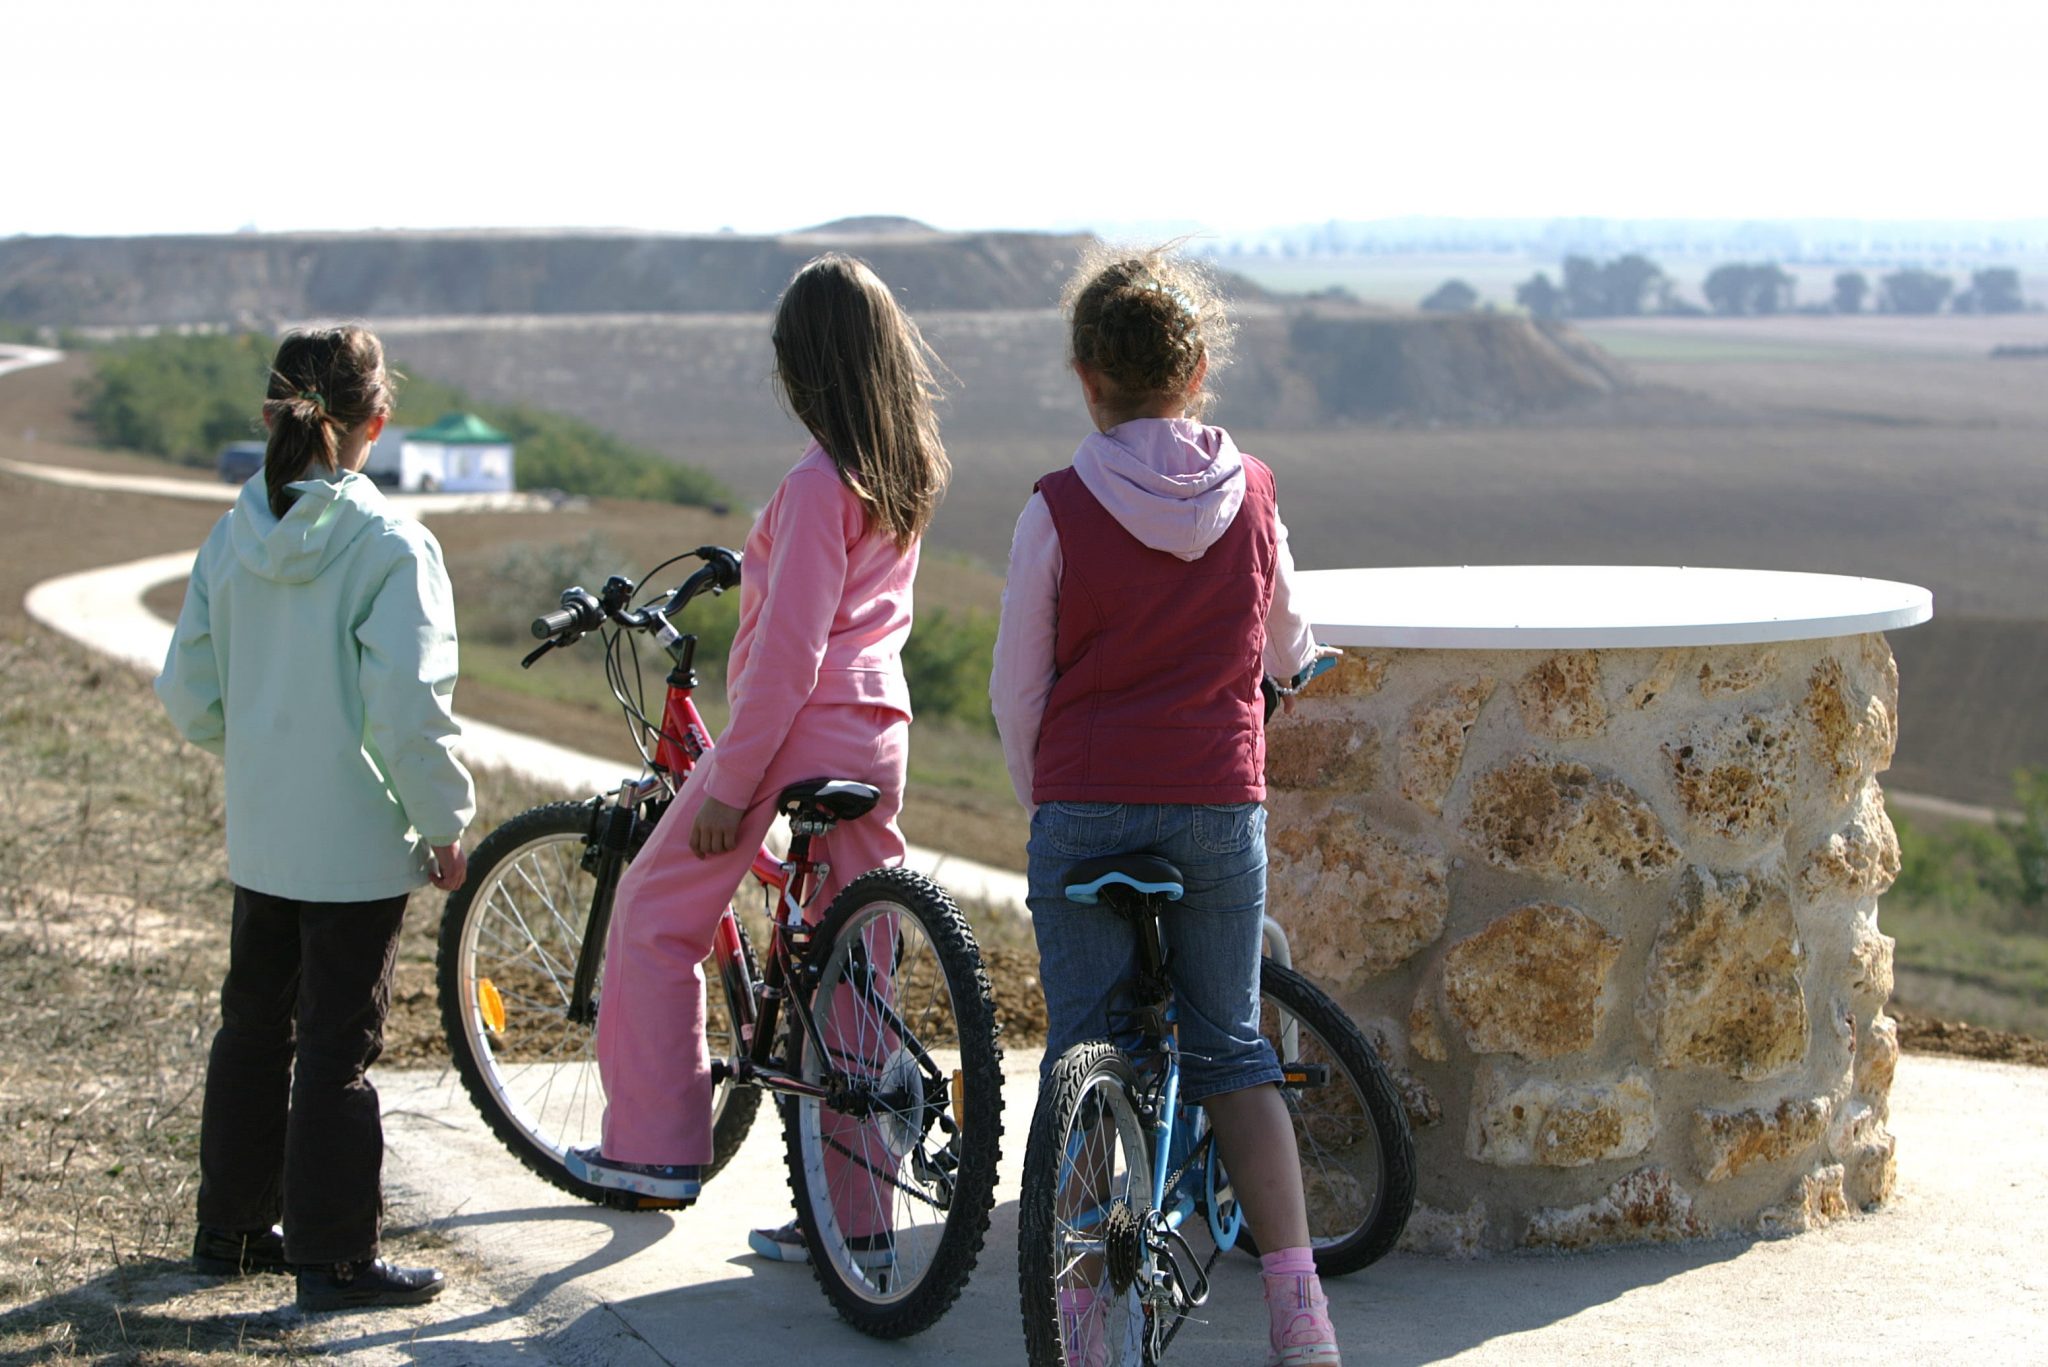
(946, 661)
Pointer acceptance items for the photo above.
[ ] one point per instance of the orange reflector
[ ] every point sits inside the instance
(490, 1005)
(959, 1093)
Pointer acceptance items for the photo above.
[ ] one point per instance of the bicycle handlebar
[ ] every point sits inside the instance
(582, 611)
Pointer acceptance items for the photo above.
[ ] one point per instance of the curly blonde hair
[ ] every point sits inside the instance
(1143, 321)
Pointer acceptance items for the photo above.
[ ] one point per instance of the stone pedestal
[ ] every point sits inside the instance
(1611, 916)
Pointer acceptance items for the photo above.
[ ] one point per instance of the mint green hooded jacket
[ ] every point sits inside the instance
(316, 654)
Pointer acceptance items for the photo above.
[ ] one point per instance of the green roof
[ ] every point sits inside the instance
(460, 429)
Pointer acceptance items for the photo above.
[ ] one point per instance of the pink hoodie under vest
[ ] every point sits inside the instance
(1176, 486)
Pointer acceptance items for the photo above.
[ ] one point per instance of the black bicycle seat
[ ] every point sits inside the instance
(828, 799)
(1144, 873)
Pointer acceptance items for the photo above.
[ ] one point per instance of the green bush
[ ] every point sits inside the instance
(946, 661)
(1997, 875)
(182, 398)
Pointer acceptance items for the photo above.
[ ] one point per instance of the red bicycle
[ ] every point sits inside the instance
(873, 1023)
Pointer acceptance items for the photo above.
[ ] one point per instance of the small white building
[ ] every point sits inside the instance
(460, 454)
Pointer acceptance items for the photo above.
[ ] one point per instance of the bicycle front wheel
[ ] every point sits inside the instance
(1080, 1220)
(510, 938)
(894, 1172)
(1357, 1153)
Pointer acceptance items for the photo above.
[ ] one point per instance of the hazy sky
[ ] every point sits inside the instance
(760, 115)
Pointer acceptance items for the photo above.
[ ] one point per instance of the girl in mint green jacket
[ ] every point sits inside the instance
(316, 654)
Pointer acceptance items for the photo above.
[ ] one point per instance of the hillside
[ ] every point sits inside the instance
(263, 279)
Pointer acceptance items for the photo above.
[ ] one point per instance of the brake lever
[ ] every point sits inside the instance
(544, 648)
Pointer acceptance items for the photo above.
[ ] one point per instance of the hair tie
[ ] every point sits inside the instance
(312, 396)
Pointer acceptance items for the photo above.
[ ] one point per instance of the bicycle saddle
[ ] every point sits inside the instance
(1147, 874)
(828, 799)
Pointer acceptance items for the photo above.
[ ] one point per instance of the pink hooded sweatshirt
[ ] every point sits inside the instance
(1175, 485)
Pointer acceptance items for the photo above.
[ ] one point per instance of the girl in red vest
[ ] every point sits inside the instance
(1148, 593)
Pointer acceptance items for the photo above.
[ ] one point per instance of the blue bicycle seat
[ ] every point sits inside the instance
(1144, 873)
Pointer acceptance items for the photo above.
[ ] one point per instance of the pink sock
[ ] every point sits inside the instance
(1298, 1312)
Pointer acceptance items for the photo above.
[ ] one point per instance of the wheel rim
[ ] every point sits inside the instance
(1343, 1166)
(880, 1187)
(1100, 1197)
(519, 947)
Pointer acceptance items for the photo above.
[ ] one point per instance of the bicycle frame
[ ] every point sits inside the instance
(681, 744)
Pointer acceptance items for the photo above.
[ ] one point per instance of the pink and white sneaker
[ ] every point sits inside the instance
(1300, 1333)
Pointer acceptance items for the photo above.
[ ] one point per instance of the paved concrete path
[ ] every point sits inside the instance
(1952, 1270)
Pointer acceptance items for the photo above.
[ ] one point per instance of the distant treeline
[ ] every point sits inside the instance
(183, 397)
(1633, 285)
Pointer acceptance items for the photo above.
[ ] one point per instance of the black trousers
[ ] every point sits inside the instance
(291, 1128)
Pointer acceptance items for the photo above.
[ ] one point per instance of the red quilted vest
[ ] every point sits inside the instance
(1159, 658)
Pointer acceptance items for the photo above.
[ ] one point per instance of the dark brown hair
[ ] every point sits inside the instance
(1143, 321)
(854, 370)
(324, 384)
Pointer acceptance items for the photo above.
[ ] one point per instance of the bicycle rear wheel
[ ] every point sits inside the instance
(509, 941)
(1357, 1153)
(894, 1178)
(1087, 1191)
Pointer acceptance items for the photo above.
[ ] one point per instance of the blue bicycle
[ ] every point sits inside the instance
(1118, 1165)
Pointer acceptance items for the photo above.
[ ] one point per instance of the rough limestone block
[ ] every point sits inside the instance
(1877, 1059)
(1432, 747)
(1357, 674)
(1867, 1151)
(1723, 986)
(1655, 681)
(1728, 671)
(1860, 859)
(1726, 1142)
(1647, 1206)
(1322, 754)
(1854, 732)
(1870, 961)
(1355, 902)
(1445, 1233)
(1531, 983)
(1532, 1121)
(1735, 777)
(1560, 696)
(1425, 1032)
(1817, 1200)
(1561, 820)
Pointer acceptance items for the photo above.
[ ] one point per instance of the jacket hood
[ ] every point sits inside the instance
(1174, 484)
(328, 516)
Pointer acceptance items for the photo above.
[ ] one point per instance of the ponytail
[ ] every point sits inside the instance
(323, 385)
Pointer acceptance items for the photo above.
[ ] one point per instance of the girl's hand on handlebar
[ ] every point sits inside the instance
(447, 866)
(1322, 653)
(717, 828)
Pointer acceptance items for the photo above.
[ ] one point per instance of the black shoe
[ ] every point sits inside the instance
(225, 1253)
(353, 1286)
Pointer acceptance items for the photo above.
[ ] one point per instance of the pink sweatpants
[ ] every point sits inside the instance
(650, 1025)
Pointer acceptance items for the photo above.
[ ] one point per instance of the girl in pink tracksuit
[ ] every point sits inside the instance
(1149, 589)
(816, 689)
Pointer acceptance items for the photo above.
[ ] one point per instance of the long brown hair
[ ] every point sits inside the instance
(324, 384)
(1144, 321)
(855, 370)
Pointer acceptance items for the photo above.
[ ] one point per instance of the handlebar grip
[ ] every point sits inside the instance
(555, 623)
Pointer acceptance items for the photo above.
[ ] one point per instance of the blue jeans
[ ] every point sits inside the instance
(1088, 955)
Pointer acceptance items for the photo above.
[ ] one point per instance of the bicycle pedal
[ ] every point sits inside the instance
(1305, 1075)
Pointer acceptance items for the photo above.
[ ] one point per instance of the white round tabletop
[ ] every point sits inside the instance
(1548, 607)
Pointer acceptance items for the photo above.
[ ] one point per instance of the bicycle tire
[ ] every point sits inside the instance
(512, 1078)
(890, 1266)
(1357, 1152)
(1090, 1084)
